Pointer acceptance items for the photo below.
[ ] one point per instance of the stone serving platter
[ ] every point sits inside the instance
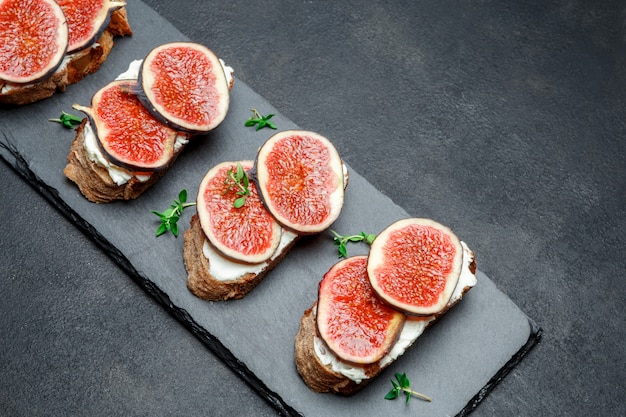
(456, 362)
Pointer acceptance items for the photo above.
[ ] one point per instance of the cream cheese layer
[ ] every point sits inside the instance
(224, 269)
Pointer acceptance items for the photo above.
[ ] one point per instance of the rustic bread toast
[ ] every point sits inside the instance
(94, 180)
(94, 174)
(202, 283)
(206, 285)
(78, 65)
(322, 377)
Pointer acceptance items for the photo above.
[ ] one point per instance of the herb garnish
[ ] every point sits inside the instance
(341, 241)
(260, 121)
(68, 120)
(169, 218)
(404, 385)
(238, 178)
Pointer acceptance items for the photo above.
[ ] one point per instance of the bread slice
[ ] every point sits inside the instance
(205, 285)
(322, 377)
(94, 180)
(75, 67)
(202, 283)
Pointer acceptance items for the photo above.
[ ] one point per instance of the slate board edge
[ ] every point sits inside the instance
(534, 338)
(20, 166)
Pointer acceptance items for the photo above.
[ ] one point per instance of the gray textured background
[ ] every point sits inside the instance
(504, 121)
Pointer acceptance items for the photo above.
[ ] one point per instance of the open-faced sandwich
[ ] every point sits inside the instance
(137, 125)
(371, 309)
(46, 45)
(246, 224)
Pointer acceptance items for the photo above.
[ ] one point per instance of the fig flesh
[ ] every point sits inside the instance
(33, 39)
(86, 20)
(184, 85)
(414, 265)
(355, 325)
(247, 234)
(127, 133)
(300, 177)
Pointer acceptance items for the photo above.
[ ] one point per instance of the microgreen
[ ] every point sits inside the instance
(238, 178)
(341, 241)
(404, 386)
(169, 218)
(260, 121)
(68, 120)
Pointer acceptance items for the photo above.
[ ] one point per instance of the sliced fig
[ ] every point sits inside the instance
(300, 177)
(86, 20)
(127, 133)
(33, 39)
(183, 83)
(355, 325)
(248, 233)
(414, 265)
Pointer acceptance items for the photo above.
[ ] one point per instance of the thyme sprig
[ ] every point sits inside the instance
(169, 218)
(341, 241)
(404, 386)
(68, 120)
(238, 178)
(260, 121)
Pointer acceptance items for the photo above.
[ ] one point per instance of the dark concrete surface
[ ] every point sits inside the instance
(504, 120)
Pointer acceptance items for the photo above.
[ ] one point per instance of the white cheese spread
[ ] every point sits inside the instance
(228, 71)
(132, 72)
(224, 269)
(410, 332)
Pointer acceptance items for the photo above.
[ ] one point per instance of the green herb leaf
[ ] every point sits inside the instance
(182, 196)
(238, 178)
(403, 380)
(341, 241)
(239, 202)
(260, 121)
(68, 120)
(404, 386)
(170, 216)
(392, 395)
(162, 229)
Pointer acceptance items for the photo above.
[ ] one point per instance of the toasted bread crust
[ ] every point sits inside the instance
(94, 181)
(200, 281)
(80, 64)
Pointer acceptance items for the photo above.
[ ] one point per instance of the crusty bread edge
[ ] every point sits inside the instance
(81, 64)
(200, 281)
(94, 181)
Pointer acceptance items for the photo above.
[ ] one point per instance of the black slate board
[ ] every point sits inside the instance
(456, 362)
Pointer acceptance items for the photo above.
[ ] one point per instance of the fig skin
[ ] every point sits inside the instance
(141, 91)
(260, 176)
(383, 248)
